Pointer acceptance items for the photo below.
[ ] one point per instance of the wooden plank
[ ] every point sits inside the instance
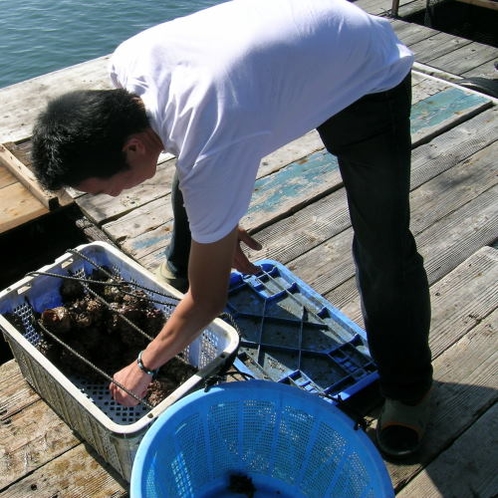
(485, 4)
(486, 70)
(151, 260)
(39, 453)
(455, 146)
(346, 296)
(318, 222)
(444, 245)
(141, 221)
(299, 233)
(146, 229)
(410, 33)
(466, 468)
(291, 188)
(32, 434)
(437, 113)
(102, 209)
(6, 177)
(15, 393)
(465, 387)
(375, 7)
(465, 368)
(464, 298)
(30, 439)
(25, 176)
(448, 242)
(463, 60)
(22, 102)
(274, 196)
(424, 87)
(18, 206)
(449, 194)
(293, 151)
(76, 473)
(436, 46)
(407, 9)
(454, 188)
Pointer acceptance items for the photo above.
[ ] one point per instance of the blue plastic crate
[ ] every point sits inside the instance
(291, 334)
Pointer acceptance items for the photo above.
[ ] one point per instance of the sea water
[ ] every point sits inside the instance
(40, 36)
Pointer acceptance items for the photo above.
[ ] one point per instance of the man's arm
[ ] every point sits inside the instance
(209, 273)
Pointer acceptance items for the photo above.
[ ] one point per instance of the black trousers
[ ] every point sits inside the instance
(371, 139)
(372, 142)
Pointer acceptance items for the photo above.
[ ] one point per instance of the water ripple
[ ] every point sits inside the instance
(40, 36)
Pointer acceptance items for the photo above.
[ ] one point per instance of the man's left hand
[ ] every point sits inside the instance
(240, 260)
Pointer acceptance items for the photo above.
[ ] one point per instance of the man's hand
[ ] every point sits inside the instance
(135, 380)
(240, 261)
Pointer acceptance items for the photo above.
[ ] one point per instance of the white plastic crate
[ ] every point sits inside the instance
(86, 406)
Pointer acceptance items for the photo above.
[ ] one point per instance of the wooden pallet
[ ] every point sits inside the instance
(22, 198)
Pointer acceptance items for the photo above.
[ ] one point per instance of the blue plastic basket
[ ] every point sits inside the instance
(259, 439)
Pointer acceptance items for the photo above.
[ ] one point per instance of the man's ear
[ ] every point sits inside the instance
(133, 146)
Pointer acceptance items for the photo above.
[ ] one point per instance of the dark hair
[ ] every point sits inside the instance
(81, 135)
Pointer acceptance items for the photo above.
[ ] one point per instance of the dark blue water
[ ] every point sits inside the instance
(40, 36)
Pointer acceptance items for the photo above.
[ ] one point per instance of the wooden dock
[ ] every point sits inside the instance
(304, 224)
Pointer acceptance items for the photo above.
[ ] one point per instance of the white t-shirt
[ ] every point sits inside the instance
(226, 86)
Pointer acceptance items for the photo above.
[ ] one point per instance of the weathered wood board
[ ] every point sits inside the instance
(464, 298)
(434, 198)
(297, 234)
(76, 473)
(464, 231)
(428, 49)
(465, 374)
(443, 110)
(411, 33)
(474, 452)
(464, 396)
(447, 232)
(22, 171)
(32, 435)
(22, 102)
(465, 59)
(18, 206)
(37, 448)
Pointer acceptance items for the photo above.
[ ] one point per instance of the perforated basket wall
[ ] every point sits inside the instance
(86, 406)
(275, 439)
